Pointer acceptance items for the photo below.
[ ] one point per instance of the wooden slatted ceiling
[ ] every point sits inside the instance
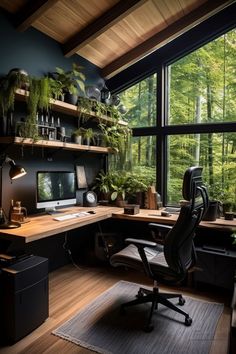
(112, 34)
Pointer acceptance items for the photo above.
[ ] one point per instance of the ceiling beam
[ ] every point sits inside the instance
(159, 39)
(100, 25)
(31, 12)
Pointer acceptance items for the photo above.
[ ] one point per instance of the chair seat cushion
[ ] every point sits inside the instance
(129, 257)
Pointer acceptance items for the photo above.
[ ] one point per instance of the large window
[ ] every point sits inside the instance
(215, 152)
(202, 84)
(140, 100)
(202, 89)
(193, 125)
(145, 158)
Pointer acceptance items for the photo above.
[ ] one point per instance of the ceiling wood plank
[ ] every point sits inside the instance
(159, 39)
(100, 25)
(31, 12)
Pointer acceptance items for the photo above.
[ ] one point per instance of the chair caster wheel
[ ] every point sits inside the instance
(188, 321)
(181, 301)
(148, 328)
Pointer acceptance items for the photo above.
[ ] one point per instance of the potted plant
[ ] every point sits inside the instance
(84, 108)
(88, 136)
(71, 80)
(15, 79)
(38, 100)
(56, 89)
(103, 186)
(136, 189)
(77, 135)
(115, 184)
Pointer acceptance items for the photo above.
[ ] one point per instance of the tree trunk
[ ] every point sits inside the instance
(197, 136)
(209, 136)
(149, 120)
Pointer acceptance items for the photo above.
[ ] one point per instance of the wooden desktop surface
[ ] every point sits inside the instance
(43, 225)
(155, 216)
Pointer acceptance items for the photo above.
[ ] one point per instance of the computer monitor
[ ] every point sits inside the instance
(55, 189)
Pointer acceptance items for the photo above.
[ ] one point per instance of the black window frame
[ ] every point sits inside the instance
(158, 63)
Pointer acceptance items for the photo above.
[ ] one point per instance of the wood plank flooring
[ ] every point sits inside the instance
(71, 288)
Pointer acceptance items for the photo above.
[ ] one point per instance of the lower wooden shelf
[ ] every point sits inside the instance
(54, 144)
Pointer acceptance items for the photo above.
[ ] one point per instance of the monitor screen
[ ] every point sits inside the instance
(55, 189)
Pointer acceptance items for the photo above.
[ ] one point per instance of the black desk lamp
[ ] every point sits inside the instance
(16, 171)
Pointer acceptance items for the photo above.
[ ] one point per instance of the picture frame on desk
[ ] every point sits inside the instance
(81, 177)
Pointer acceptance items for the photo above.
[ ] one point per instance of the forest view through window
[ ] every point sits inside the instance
(203, 85)
(200, 94)
(215, 152)
(202, 89)
(140, 100)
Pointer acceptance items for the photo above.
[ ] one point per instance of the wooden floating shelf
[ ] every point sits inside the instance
(67, 108)
(54, 144)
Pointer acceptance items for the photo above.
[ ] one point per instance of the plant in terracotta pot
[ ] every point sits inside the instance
(71, 80)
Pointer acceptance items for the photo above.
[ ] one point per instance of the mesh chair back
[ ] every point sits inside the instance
(178, 247)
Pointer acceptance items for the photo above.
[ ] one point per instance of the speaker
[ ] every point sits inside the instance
(23, 297)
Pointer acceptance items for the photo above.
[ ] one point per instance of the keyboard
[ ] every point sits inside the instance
(71, 216)
(172, 210)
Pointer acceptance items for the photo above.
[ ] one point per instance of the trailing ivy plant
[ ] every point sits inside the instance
(8, 86)
(38, 99)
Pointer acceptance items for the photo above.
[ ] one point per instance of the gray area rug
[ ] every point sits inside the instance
(100, 326)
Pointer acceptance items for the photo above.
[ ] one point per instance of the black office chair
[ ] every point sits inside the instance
(168, 263)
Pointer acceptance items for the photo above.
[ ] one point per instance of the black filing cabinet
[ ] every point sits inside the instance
(216, 267)
(24, 297)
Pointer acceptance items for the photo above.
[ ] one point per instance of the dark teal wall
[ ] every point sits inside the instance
(36, 53)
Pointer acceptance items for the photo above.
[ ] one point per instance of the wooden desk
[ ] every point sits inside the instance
(155, 216)
(43, 225)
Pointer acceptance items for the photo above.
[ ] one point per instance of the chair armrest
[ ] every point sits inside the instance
(140, 243)
(160, 227)
(159, 232)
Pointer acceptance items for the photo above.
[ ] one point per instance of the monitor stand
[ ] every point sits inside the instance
(53, 210)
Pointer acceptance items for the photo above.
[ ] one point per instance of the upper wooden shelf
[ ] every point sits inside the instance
(54, 144)
(70, 109)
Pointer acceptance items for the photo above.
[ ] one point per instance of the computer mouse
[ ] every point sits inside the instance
(91, 212)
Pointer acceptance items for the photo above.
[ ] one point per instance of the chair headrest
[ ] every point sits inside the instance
(192, 179)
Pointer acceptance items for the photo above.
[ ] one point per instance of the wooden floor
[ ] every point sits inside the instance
(71, 288)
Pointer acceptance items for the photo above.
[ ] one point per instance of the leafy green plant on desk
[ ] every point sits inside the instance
(119, 185)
